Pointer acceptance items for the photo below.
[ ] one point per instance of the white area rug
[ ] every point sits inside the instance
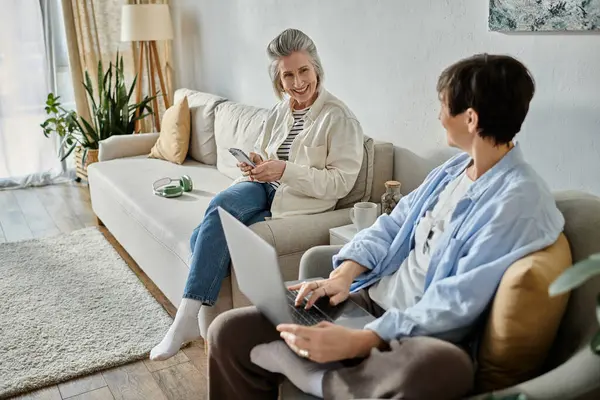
(69, 306)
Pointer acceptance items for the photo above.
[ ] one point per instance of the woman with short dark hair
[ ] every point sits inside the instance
(427, 272)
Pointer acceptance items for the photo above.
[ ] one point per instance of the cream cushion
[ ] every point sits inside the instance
(236, 125)
(174, 140)
(203, 147)
(361, 191)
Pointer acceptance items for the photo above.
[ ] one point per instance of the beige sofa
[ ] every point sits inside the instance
(155, 231)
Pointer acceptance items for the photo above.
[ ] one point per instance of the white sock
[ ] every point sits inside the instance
(279, 358)
(184, 329)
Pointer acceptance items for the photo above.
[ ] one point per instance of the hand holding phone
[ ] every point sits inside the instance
(241, 156)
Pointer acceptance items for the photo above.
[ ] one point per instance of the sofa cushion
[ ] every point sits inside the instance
(236, 125)
(524, 319)
(174, 140)
(170, 220)
(361, 191)
(202, 133)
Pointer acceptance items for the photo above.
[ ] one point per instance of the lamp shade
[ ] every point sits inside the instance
(146, 22)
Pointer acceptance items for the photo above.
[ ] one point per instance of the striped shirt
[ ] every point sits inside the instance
(283, 153)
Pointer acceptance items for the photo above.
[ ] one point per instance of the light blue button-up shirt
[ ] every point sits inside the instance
(506, 214)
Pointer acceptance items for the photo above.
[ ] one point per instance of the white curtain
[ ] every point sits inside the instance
(27, 157)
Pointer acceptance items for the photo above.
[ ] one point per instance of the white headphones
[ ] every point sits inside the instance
(164, 188)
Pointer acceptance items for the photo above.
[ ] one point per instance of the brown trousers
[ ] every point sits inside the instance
(411, 368)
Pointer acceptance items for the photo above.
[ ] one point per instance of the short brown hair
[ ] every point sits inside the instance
(498, 87)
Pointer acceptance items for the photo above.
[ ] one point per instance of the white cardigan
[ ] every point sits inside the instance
(324, 160)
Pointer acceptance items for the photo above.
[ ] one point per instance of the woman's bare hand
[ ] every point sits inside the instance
(268, 171)
(337, 288)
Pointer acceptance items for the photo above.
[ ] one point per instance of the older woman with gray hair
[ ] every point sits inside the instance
(307, 157)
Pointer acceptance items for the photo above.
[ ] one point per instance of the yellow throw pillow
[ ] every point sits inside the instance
(523, 320)
(174, 140)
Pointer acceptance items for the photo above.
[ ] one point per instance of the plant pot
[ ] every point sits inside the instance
(91, 156)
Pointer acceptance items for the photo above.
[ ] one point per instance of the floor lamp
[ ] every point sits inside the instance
(147, 23)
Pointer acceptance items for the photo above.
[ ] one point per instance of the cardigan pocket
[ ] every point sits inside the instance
(314, 156)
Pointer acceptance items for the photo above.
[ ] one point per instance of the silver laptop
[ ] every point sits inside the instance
(259, 278)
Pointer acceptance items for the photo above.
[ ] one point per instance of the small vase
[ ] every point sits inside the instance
(391, 197)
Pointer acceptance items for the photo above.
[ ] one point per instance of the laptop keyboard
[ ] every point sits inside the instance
(301, 316)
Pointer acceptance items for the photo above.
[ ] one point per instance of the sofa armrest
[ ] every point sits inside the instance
(299, 233)
(120, 146)
(577, 378)
(317, 262)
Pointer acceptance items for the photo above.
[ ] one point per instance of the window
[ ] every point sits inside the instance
(33, 62)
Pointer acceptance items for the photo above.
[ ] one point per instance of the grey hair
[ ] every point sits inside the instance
(286, 43)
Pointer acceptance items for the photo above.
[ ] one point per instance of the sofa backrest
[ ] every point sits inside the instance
(218, 124)
(582, 229)
(236, 125)
(202, 112)
(377, 168)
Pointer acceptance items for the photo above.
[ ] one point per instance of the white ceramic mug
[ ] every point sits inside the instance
(363, 215)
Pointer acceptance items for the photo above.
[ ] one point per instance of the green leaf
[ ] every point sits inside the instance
(598, 308)
(110, 76)
(575, 276)
(63, 143)
(90, 133)
(80, 130)
(100, 79)
(132, 88)
(89, 88)
(68, 152)
(595, 343)
(142, 116)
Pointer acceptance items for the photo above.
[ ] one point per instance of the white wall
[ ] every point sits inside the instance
(383, 59)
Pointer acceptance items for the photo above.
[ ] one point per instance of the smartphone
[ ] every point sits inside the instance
(241, 156)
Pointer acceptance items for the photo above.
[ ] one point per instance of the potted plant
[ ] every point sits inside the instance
(111, 114)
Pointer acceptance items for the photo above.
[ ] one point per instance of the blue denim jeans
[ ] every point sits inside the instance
(249, 202)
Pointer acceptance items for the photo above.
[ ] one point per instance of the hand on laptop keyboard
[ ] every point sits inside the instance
(302, 316)
(293, 296)
(335, 289)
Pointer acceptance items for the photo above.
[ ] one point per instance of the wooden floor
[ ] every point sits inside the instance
(38, 212)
